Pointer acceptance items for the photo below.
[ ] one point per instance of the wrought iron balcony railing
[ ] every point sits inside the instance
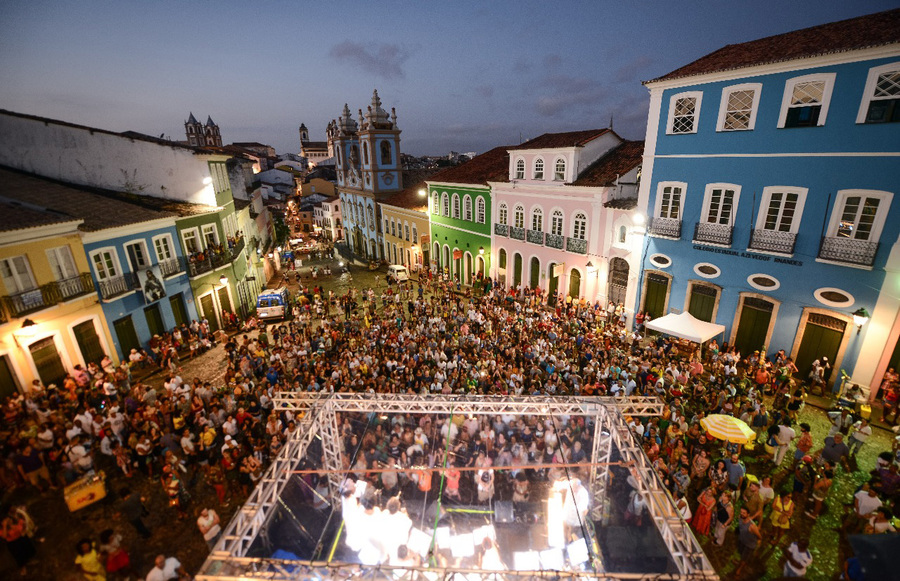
(172, 266)
(535, 237)
(665, 227)
(517, 233)
(772, 241)
(576, 245)
(501, 229)
(848, 250)
(555, 241)
(118, 285)
(46, 295)
(214, 257)
(713, 233)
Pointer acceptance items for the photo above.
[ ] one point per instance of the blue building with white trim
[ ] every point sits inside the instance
(771, 176)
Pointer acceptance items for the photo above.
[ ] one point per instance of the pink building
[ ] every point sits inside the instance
(565, 220)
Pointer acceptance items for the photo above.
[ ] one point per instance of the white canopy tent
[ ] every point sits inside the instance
(686, 326)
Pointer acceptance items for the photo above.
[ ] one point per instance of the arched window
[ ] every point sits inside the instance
(556, 222)
(622, 232)
(502, 212)
(446, 201)
(393, 228)
(456, 205)
(435, 203)
(539, 169)
(479, 210)
(386, 153)
(537, 219)
(579, 226)
(560, 173)
(467, 208)
(406, 231)
(519, 217)
(520, 169)
(415, 235)
(366, 153)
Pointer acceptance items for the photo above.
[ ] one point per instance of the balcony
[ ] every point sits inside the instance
(713, 233)
(772, 241)
(554, 241)
(665, 227)
(47, 295)
(517, 233)
(848, 250)
(535, 237)
(110, 288)
(214, 257)
(172, 266)
(576, 245)
(501, 229)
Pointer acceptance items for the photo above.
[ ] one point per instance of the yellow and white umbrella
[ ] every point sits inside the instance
(728, 428)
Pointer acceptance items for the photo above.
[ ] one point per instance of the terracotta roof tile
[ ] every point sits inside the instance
(853, 34)
(568, 139)
(409, 198)
(491, 166)
(615, 163)
(18, 217)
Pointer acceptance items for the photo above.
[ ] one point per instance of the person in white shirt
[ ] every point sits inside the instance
(861, 432)
(798, 559)
(166, 569)
(785, 434)
(209, 526)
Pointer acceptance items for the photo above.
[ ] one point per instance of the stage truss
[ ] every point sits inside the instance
(316, 416)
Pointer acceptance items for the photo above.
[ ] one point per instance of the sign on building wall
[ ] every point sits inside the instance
(151, 284)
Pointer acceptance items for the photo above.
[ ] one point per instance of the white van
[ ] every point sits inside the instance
(397, 273)
(273, 304)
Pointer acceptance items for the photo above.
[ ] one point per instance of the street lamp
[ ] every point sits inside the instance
(860, 317)
(223, 280)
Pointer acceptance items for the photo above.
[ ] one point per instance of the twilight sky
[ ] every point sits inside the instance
(463, 75)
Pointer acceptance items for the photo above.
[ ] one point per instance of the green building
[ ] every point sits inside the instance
(460, 215)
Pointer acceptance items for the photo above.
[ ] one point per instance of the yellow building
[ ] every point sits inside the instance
(405, 227)
(50, 315)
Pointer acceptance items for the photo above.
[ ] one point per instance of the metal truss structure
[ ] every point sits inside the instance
(317, 417)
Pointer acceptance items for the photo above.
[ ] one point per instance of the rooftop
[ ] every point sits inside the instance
(567, 139)
(617, 162)
(859, 33)
(409, 198)
(491, 166)
(19, 217)
(100, 209)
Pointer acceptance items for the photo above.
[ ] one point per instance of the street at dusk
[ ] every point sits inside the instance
(449, 292)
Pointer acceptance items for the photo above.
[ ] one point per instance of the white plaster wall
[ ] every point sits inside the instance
(96, 158)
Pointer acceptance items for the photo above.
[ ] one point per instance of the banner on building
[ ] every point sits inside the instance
(457, 254)
(151, 284)
(424, 240)
(559, 269)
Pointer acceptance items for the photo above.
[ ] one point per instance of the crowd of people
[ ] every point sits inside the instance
(426, 338)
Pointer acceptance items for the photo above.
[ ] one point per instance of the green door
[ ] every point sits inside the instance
(575, 283)
(209, 312)
(655, 299)
(126, 334)
(47, 361)
(753, 326)
(703, 301)
(535, 272)
(8, 384)
(178, 309)
(821, 338)
(553, 287)
(154, 319)
(88, 342)
(517, 270)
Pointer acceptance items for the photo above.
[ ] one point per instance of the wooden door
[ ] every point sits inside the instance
(753, 325)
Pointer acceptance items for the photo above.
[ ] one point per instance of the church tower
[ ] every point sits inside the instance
(199, 134)
(343, 135)
(379, 141)
(304, 134)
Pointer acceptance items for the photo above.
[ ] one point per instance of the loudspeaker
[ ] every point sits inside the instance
(503, 512)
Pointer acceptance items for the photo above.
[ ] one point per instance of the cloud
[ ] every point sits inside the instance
(486, 91)
(564, 92)
(383, 60)
(635, 69)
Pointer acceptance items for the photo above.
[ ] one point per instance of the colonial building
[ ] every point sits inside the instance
(328, 219)
(460, 215)
(367, 155)
(199, 134)
(564, 217)
(405, 227)
(315, 152)
(50, 315)
(770, 179)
